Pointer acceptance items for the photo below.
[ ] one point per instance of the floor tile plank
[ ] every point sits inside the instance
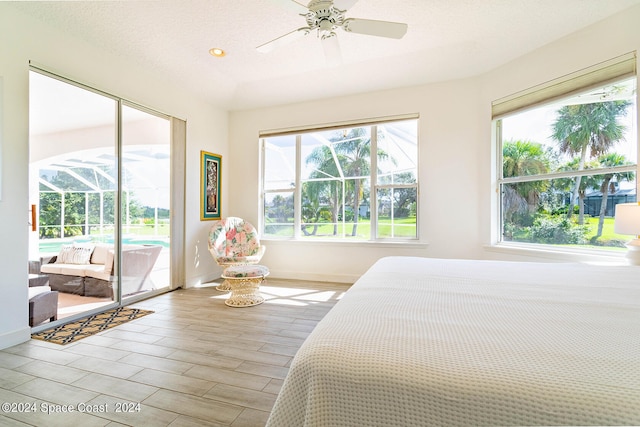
(193, 362)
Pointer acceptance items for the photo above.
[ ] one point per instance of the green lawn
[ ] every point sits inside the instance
(402, 227)
(607, 229)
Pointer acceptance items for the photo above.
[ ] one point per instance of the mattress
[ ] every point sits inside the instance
(418, 341)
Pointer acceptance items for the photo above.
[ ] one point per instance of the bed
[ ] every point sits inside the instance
(419, 341)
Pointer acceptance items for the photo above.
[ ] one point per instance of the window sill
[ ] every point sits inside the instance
(408, 244)
(558, 254)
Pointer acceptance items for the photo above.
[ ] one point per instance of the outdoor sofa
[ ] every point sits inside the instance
(88, 270)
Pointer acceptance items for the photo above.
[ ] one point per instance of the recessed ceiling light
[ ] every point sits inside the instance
(217, 52)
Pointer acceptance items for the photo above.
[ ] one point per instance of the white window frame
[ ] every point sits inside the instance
(611, 71)
(375, 187)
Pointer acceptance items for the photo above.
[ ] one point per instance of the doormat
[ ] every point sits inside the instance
(91, 325)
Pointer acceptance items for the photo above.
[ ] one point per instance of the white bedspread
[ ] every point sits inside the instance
(420, 341)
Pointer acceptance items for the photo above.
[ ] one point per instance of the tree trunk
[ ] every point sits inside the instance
(356, 202)
(603, 205)
(575, 196)
(576, 189)
(334, 211)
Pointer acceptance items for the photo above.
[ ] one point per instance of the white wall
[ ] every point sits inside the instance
(442, 197)
(23, 39)
(456, 193)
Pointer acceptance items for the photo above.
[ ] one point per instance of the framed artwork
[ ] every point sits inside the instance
(211, 185)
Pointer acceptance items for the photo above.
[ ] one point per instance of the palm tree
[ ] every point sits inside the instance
(354, 151)
(588, 129)
(312, 209)
(350, 158)
(586, 182)
(325, 167)
(523, 158)
(608, 161)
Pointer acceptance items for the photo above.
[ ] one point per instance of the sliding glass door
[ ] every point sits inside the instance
(99, 193)
(145, 202)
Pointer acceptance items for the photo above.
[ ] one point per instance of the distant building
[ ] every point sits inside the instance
(593, 200)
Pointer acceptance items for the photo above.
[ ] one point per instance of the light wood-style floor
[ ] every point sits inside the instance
(193, 362)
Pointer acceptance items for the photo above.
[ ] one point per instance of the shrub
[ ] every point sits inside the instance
(557, 230)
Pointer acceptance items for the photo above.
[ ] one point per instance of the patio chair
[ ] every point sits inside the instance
(234, 241)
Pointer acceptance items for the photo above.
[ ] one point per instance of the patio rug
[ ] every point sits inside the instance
(91, 325)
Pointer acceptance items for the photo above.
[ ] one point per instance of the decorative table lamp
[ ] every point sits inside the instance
(627, 221)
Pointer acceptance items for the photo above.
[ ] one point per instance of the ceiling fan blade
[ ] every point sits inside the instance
(344, 4)
(394, 30)
(331, 48)
(283, 40)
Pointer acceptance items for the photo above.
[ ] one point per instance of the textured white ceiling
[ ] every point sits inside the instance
(447, 39)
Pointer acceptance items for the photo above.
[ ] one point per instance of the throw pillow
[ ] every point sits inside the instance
(72, 254)
(65, 254)
(81, 254)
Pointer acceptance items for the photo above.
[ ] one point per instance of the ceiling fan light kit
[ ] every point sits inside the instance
(327, 15)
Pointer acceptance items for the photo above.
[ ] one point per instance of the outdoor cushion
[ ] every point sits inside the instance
(100, 252)
(71, 269)
(37, 290)
(239, 271)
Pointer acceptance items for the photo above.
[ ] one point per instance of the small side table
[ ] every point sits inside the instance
(245, 282)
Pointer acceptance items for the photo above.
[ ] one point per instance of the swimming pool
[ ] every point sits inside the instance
(54, 245)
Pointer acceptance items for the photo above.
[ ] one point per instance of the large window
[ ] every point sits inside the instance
(567, 156)
(357, 182)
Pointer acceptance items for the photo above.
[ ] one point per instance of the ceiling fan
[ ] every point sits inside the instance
(327, 15)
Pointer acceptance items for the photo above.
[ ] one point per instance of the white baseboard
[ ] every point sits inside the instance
(287, 275)
(9, 339)
(314, 277)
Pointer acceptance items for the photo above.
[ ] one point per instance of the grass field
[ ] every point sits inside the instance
(607, 229)
(401, 227)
